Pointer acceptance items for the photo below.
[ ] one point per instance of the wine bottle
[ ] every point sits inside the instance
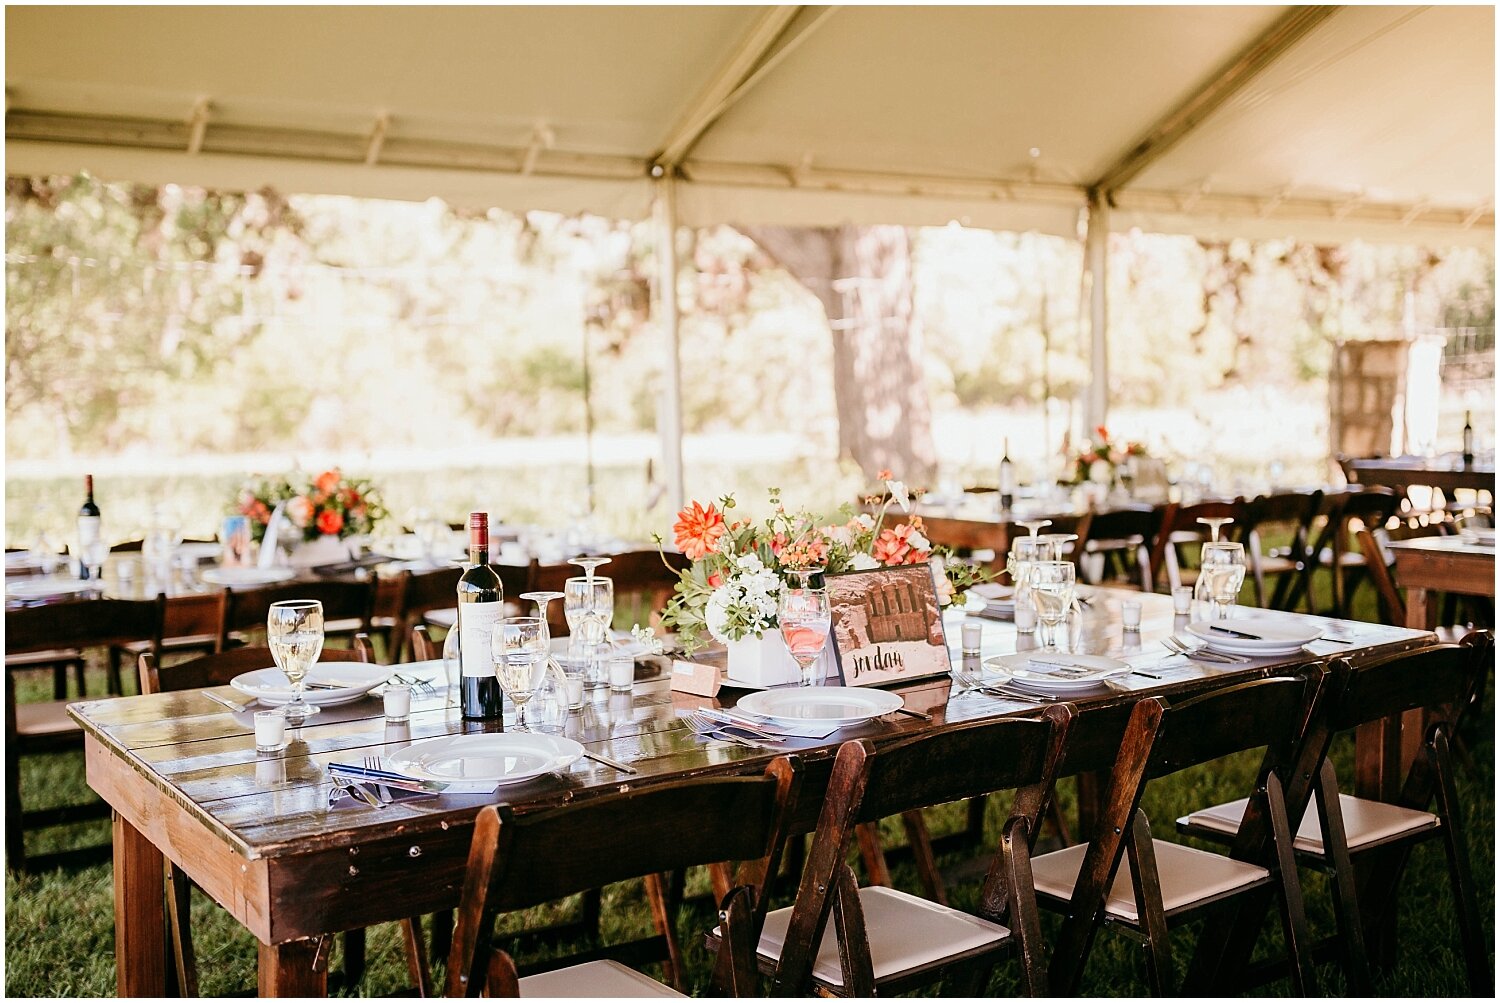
(1007, 479)
(1468, 439)
(89, 525)
(480, 600)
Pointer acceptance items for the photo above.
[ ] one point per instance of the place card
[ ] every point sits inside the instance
(886, 625)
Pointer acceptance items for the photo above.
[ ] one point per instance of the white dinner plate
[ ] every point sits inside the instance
(42, 588)
(24, 560)
(1074, 673)
(200, 551)
(834, 704)
(1483, 537)
(1277, 637)
(354, 680)
(238, 577)
(506, 757)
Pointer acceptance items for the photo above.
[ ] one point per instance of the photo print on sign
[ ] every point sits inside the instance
(887, 626)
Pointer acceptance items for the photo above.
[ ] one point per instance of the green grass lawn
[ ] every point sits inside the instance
(59, 938)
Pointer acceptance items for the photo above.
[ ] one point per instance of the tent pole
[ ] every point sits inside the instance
(669, 413)
(1096, 263)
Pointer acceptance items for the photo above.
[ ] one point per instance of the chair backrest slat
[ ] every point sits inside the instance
(1270, 713)
(549, 855)
(1434, 676)
(218, 669)
(83, 623)
(342, 600)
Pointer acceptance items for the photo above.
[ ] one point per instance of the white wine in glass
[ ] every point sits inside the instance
(294, 633)
(1052, 592)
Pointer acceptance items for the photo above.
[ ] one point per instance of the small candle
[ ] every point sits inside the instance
(1182, 600)
(270, 731)
(1025, 615)
(397, 702)
(621, 674)
(575, 692)
(972, 634)
(1130, 615)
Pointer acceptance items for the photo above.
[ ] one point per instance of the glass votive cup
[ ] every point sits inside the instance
(1182, 600)
(270, 731)
(1025, 616)
(397, 702)
(973, 635)
(1130, 616)
(621, 673)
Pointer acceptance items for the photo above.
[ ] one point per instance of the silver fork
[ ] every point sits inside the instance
(1183, 648)
(415, 682)
(709, 728)
(373, 763)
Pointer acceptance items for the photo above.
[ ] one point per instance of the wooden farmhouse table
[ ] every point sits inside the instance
(256, 832)
(1441, 564)
(1446, 474)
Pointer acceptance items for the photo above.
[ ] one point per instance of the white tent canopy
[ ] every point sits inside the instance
(1326, 123)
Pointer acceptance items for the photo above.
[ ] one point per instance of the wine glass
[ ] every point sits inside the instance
(520, 647)
(1220, 576)
(1025, 551)
(1056, 545)
(1052, 588)
(803, 616)
(589, 606)
(1034, 524)
(1213, 523)
(294, 633)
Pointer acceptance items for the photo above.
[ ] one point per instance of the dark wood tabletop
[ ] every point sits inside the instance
(257, 834)
(1446, 473)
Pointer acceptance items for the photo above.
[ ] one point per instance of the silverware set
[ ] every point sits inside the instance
(1178, 646)
(737, 732)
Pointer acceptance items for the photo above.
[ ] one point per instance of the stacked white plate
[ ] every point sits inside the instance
(839, 705)
(1055, 672)
(45, 588)
(505, 757)
(351, 681)
(1271, 637)
(240, 577)
(1482, 537)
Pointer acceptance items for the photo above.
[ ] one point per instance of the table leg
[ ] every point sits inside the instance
(140, 914)
(293, 969)
(1416, 609)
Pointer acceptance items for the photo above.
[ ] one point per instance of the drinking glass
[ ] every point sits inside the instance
(45, 547)
(1025, 551)
(157, 548)
(1213, 523)
(1034, 524)
(803, 616)
(1057, 545)
(1052, 587)
(294, 633)
(1220, 576)
(589, 606)
(520, 648)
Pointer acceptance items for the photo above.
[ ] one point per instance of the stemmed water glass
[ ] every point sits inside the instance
(294, 633)
(542, 600)
(1056, 545)
(1213, 523)
(589, 606)
(521, 650)
(1220, 575)
(1034, 524)
(1025, 551)
(803, 616)
(1052, 589)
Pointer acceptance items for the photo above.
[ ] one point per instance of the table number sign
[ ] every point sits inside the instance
(886, 625)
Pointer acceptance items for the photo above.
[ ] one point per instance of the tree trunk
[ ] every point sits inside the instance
(863, 278)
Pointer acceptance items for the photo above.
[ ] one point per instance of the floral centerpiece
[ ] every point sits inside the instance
(731, 590)
(1100, 460)
(329, 505)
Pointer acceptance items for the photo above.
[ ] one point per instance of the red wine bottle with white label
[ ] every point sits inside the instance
(89, 522)
(480, 600)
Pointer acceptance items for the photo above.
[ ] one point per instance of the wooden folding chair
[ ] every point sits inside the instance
(520, 861)
(420, 593)
(36, 728)
(883, 940)
(1123, 537)
(1445, 681)
(217, 670)
(1180, 527)
(1344, 512)
(1165, 883)
(1288, 512)
(347, 607)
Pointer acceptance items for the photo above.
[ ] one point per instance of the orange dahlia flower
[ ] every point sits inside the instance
(698, 530)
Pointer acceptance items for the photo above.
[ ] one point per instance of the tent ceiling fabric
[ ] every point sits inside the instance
(1377, 124)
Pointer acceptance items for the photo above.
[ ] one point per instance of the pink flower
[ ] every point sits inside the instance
(300, 511)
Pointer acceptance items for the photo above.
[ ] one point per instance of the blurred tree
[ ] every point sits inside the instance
(863, 277)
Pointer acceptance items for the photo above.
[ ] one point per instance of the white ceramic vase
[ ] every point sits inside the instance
(323, 550)
(762, 661)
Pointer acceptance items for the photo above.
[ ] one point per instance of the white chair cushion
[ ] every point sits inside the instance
(1365, 822)
(905, 933)
(595, 980)
(1188, 876)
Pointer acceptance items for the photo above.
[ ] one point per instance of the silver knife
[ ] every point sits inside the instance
(1236, 633)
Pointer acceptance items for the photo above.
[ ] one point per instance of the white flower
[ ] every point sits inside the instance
(899, 494)
(918, 541)
(866, 520)
(716, 614)
(1100, 472)
(749, 563)
(860, 561)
